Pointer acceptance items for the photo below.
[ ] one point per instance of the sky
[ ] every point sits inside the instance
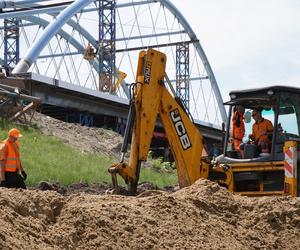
(249, 43)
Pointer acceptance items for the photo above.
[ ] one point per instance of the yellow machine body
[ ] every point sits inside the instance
(152, 98)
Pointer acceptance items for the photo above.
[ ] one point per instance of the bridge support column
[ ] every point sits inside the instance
(11, 43)
(107, 50)
(182, 73)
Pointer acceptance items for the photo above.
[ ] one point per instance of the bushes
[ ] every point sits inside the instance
(160, 165)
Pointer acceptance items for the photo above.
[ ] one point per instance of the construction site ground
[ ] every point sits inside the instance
(80, 216)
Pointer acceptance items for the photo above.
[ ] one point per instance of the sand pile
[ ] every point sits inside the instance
(202, 216)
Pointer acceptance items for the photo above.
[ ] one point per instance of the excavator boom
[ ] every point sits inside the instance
(151, 98)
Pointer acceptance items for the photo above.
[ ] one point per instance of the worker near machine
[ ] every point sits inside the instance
(261, 131)
(238, 126)
(10, 162)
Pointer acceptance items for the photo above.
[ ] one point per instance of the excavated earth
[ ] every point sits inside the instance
(202, 216)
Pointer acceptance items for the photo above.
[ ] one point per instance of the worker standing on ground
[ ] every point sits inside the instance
(10, 162)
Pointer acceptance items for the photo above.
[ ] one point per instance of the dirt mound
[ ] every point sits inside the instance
(81, 216)
(96, 188)
(202, 216)
(86, 139)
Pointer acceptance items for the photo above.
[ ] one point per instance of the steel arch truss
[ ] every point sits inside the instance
(139, 25)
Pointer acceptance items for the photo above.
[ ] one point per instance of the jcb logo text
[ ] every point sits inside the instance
(180, 129)
(147, 72)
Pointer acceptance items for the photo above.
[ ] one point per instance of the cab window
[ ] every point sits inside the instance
(288, 118)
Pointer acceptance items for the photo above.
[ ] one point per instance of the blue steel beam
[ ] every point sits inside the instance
(48, 33)
(26, 2)
(93, 41)
(22, 13)
(117, 40)
(17, 4)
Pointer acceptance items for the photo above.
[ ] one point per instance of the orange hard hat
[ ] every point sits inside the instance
(14, 133)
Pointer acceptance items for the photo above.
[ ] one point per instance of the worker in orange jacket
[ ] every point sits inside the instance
(10, 162)
(238, 126)
(262, 130)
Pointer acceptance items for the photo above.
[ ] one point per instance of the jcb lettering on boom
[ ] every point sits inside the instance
(147, 71)
(180, 129)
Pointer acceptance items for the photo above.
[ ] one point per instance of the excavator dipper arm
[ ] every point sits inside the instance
(151, 98)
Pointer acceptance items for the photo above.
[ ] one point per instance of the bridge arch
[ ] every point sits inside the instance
(182, 30)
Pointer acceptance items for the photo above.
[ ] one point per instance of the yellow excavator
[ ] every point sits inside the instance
(254, 174)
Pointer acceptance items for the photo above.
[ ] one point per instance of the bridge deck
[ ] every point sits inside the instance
(60, 94)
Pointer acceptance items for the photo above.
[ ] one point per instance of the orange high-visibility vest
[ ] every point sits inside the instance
(238, 129)
(261, 129)
(12, 162)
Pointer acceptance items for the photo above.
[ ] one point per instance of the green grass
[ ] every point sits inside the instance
(158, 178)
(47, 158)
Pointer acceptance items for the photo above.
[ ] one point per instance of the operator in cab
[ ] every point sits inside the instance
(261, 132)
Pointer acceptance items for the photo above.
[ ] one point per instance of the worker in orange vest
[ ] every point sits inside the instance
(10, 162)
(262, 130)
(238, 126)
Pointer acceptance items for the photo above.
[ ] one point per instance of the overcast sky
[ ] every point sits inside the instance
(249, 43)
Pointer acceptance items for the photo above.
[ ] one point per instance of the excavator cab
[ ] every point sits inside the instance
(253, 171)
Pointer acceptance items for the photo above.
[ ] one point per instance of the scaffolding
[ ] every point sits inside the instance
(182, 73)
(107, 50)
(11, 43)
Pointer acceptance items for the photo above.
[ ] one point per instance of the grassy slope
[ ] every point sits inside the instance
(49, 159)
